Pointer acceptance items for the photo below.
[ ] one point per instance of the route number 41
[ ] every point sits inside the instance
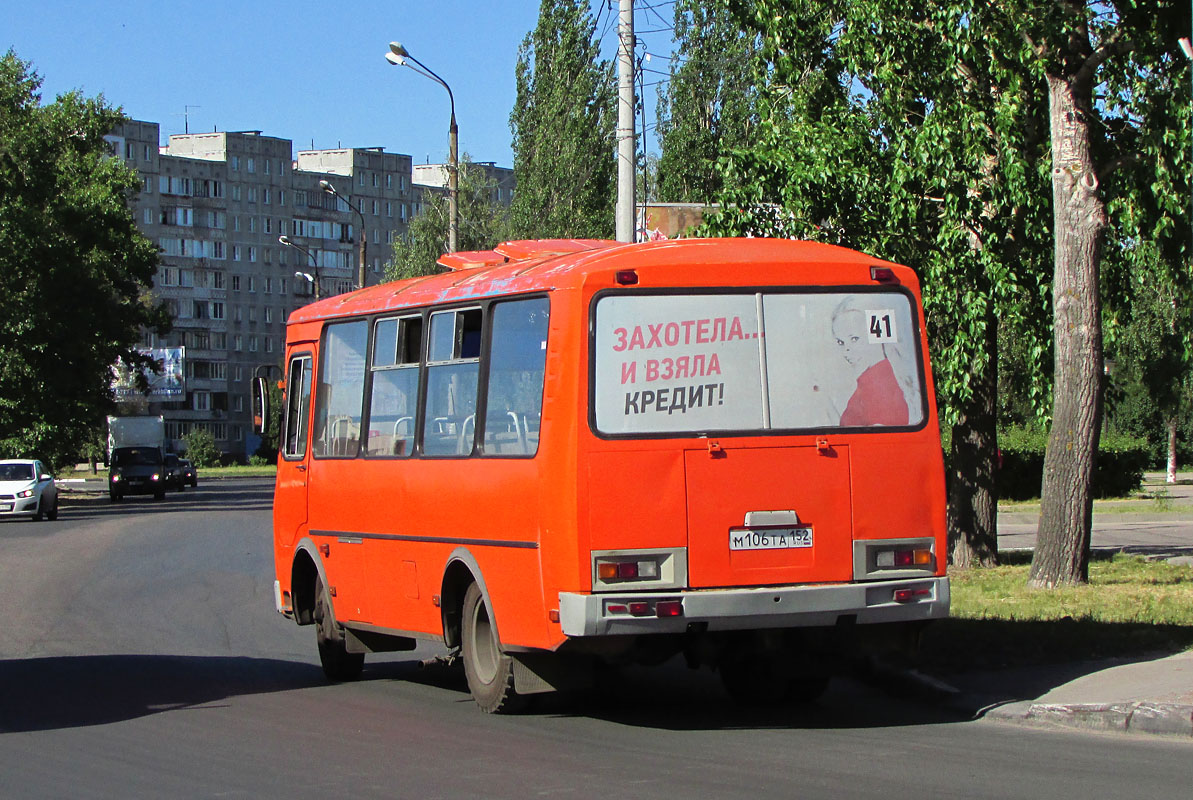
(882, 327)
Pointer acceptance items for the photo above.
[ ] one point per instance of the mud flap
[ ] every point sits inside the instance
(536, 673)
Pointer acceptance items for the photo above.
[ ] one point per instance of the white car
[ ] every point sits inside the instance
(27, 490)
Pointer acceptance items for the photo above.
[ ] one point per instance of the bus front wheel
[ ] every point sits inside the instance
(490, 672)
(338, 664)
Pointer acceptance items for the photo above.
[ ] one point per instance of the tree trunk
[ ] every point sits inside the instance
(973, 469)
(1066, 508)
(1171, 476)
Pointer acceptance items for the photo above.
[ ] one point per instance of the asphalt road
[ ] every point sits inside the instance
(140, 656)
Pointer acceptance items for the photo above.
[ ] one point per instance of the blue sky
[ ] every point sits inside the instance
(313, 72)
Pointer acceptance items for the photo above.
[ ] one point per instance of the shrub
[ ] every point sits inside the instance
(1118, 471)
(259, 461)
(201, 449)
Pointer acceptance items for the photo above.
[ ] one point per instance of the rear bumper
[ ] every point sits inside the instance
(747, 609)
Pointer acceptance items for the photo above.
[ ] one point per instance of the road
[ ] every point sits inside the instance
(140, 656)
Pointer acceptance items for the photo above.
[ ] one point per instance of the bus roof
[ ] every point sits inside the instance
(526, 266)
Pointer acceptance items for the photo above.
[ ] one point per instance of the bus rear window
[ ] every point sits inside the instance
(756, 362)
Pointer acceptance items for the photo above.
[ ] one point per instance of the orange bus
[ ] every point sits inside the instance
(567, 452)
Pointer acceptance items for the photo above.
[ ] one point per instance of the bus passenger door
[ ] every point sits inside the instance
(290, 499)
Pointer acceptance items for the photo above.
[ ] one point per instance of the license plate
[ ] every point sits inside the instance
(5, 506)
(778, 538)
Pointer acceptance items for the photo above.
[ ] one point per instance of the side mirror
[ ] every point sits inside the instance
(260, 407)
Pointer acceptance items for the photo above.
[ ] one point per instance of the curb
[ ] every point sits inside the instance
(1165, 719)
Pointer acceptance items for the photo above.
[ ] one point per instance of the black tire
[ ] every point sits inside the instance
(338, 664)
(759, 681)
(490, 672)
(38, 514)
(114, 497)
(181, 486)
(159, 495)
(52, 514)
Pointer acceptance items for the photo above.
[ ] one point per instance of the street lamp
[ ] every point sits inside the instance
(399, 56)
(362, 249)
(312, 279)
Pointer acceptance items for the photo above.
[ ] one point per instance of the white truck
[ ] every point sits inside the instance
(140, 431)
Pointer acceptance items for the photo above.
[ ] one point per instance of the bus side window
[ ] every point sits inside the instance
(298, 401)
(453, 366)
(517, 361)
(397, 345)
(340, 398)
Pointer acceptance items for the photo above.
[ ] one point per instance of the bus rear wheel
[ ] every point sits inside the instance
(490, 672)
(338, 664)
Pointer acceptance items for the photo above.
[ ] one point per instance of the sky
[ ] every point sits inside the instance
(312, 72)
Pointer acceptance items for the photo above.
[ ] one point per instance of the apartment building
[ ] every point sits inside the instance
(216, 204)
(433, 177)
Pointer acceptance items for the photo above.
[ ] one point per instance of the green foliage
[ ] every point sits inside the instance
(260, 461)
(76, 269)
(1118, 471)
(890, 127)
(563, 129)
(201, 448)
(482, 225)
(707, 108)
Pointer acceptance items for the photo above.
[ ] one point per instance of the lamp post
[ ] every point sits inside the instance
(313, 280)
(399, 56)
(326, 186)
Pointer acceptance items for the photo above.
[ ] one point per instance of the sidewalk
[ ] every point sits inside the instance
(1145, 696)
(1150, 696)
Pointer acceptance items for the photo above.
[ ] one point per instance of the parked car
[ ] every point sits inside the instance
(174, 474)
(136, 470)
(189, 473)
(27, 489)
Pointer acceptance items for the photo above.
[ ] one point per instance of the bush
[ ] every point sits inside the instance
(201, 449)
(260, 461)
(1119, 469)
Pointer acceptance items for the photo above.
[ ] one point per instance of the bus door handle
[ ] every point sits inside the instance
(301, 467)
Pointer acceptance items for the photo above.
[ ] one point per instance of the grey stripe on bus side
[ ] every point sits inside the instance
(349, 535)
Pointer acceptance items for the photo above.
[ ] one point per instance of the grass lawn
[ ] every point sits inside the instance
(1130, 607)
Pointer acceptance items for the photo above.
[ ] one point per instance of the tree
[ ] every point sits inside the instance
(1097, 58)
(482, 225)
(889, 127)
(201, 448)
(707, 106)
(563, 129)
(77, 272)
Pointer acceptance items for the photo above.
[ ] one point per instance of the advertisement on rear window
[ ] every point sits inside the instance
(756, 362)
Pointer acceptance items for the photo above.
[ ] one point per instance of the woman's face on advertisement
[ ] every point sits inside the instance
(849, 329)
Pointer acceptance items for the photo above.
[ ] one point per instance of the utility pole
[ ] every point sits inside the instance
(625, 122)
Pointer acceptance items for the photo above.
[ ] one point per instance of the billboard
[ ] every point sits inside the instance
(167, 385)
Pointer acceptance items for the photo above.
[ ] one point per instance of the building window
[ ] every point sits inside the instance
(252, 254)
(219, 341)
(252, 344)
(281, 197)
(217, 278)
(281, 286)
(235, 252)
(252, 284)
(268, 314)
(234, 163)
(389, 180)
(236, 195)
(238, 404)
(389, 209)
(265, 163)
(147, 184)
(252, 194)
(217, 310)
(252, 224)
(217, 251)
(268, 225)
(238, 345)
(265, 194)
(239, 371)
(236, 283)
(268, 344)
(201, 401)
(251, 165)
